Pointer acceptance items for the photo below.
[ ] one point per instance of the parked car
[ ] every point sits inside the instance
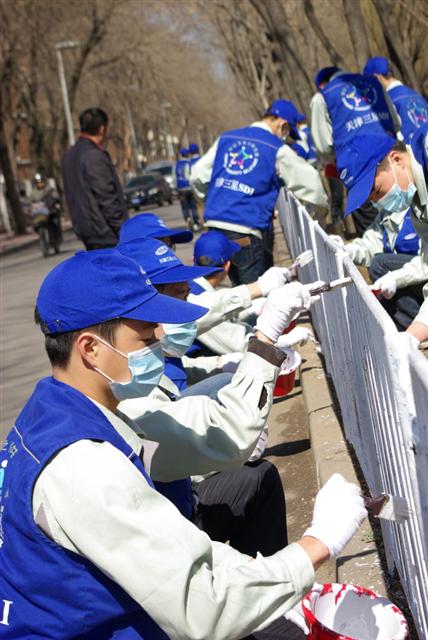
(150, 188)
(167, 169)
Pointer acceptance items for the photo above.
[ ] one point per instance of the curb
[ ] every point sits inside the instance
(359, 563)
(6, 250)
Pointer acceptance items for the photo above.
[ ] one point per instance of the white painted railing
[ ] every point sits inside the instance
(383, 402)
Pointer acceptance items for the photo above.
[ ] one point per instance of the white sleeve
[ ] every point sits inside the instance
(201, 171)
(365, 248)
(102, 508)
(222, 304)
(227, 337)
(321, 128)
(301, 177)
(198, 435)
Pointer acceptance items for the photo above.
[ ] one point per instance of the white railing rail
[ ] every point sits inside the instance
(383, 402)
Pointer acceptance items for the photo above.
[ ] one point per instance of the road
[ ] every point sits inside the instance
(23, 359)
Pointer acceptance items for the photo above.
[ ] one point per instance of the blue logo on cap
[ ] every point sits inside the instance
(241, 158)
(358, 96)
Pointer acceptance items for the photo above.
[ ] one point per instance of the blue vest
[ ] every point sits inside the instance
(418, 147)
(312, 154)
(301, 151)
(406, 241)
(181, 172)
(55, 593)
(412, 109)
(244, 184)
(194, 159)
(356, 104)
(175, 371)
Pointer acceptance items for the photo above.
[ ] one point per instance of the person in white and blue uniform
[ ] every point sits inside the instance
(411, 107)
(194, 153)
(394, 177)
(185, 193)
(149, 225)
(346, 105)
(305, 147)
(241, 176)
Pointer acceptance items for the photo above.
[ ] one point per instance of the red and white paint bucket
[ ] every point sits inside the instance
(348, 612)
(287, 376)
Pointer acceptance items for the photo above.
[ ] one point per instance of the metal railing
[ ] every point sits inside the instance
(382, 389)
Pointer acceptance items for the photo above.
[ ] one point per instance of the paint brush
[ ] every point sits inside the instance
(329, 286)
(387, 507)
(302, 260)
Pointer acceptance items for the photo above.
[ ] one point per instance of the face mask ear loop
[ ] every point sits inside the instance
(104, 375)
(113, 349)
(393, 170)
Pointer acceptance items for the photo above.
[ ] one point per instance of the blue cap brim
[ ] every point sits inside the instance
(180, 236)
(359, 193)
(182, 273)
(161, 308)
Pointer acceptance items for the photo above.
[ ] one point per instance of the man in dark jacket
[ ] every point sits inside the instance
(92, 189)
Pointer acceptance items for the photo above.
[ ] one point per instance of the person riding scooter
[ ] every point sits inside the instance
(45, 212)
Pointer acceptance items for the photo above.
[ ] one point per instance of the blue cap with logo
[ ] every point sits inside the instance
(216, 246)
(160, 263)
(95, 286)
(193, 148)
(377, 65)
(358, 166)
(324, 75)
(286, 110)
(149, 225)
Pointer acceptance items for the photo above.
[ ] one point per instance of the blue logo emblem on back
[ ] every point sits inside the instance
(241, 158)
(358, 96)
(417, 112)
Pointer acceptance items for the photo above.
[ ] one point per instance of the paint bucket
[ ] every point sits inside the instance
(287, 375)
(348, 612)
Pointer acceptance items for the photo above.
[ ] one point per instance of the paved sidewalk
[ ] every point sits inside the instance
(9, 243)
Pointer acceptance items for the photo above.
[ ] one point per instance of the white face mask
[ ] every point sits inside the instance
(396, 199)
(146, 366)
(178, 338)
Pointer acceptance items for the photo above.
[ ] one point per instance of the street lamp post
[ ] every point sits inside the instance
(70, 44)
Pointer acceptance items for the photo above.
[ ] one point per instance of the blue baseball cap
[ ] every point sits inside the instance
(377, 65)
(301, 117)
(286, 110)
(184, 151)
(357, 166)
(149, 225)
(216, 246)
(324, 75)
(95, 286)
(193, 148)
(160, 263)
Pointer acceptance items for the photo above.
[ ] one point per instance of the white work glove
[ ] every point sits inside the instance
(298, 335)
(229, 362)
(281, 307)
(338, 512)
(257, 305)
(273, 278)
(350, 250)
(337, 240)
(387, 285)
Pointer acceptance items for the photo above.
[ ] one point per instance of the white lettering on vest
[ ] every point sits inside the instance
(6, 609)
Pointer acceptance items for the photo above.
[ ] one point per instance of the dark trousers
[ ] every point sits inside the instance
(336, 193)
(250, 262)
(188, 206)
(404, 306)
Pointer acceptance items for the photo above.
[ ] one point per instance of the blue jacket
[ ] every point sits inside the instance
(56, 593)
(412, 109)
(181, 172)
(356, 104)
(244, 184)
(418, 147)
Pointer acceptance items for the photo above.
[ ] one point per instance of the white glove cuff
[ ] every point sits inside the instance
(315, 532)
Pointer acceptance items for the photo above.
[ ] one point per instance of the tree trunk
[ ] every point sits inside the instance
(9, 178)
(357, 31)
(397, 52)
(335, 57)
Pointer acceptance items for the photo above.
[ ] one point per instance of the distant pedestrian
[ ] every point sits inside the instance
(92, 188)
(185, 193)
